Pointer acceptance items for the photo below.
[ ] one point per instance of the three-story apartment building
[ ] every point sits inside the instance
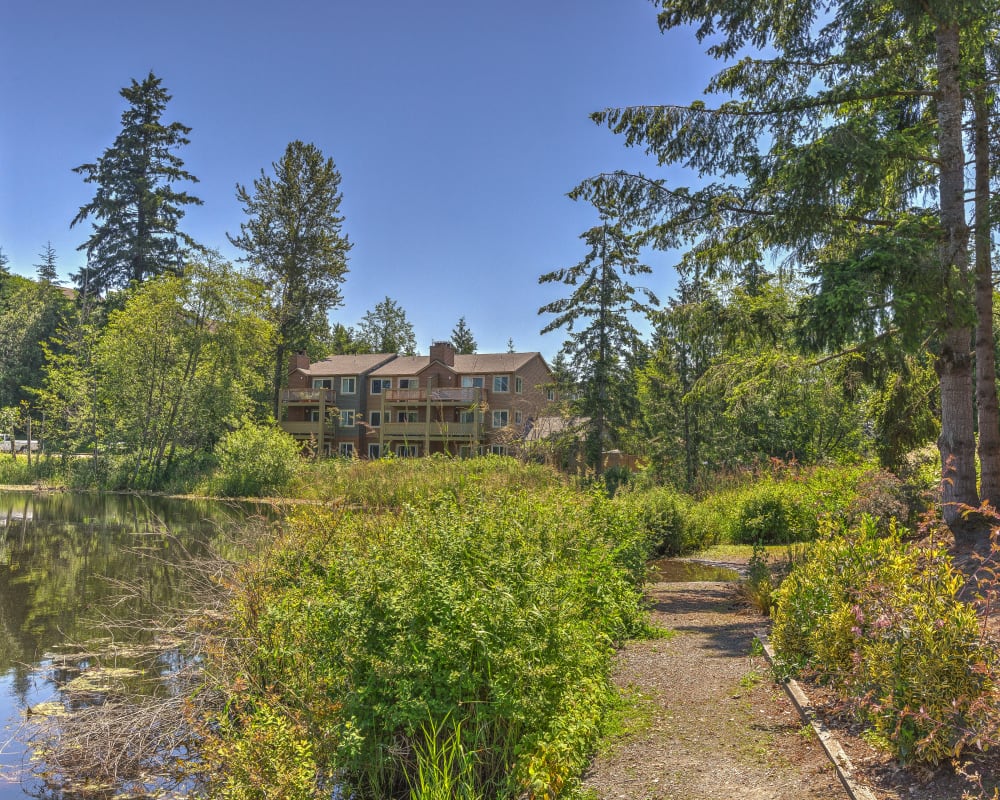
(418, 405)
(326, 402)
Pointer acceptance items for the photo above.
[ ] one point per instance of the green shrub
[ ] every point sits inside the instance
(882, 621)
(16, 472)
(270, 759)
(664, 515)
(787, 504)
(617, 478)
(496, 611)
(255, 460)
(774, 514)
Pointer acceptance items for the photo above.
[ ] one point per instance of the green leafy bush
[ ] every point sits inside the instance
(882, 621)
(787, 504)
(664, 515)
(271, 758)
(774, 514)
(255, 460)
(490, 616)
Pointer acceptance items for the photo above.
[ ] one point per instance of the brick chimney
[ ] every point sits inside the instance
(443, 352)
(298, 360)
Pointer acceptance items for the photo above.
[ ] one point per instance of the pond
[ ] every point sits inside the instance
(678, 570)
(63, 561)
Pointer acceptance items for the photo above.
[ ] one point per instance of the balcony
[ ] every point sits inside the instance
(308, 428)
(435, 430)
(463, 396)
(308, 396)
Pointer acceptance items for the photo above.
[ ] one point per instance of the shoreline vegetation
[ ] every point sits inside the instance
(423, 628)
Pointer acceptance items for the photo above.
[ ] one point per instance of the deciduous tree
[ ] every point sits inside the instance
(294, 242)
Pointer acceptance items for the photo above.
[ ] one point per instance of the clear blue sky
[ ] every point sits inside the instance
(458, 127)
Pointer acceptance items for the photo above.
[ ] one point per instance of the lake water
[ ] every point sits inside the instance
(63, 557)
(677, 570)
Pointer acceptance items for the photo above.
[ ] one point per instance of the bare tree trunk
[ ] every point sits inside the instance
(954, 363)
(986, 384)
(279, 373)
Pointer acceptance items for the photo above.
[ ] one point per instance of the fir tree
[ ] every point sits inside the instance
(830, 141)
(604, 351)
(136, 209)
(462, 338)
(46, 268)
(385, 329)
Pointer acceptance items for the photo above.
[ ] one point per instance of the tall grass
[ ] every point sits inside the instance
(395, 482)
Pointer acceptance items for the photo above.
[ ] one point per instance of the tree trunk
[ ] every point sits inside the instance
(954, 362)
(986, 384)
(279, 373)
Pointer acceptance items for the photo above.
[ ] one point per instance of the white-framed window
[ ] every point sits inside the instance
(469, 417)
(501, 418)
(473, 381)
(498, 449)
(347, 417)
(322, 383)
(349, 385)
(406, 450)
(518, 417)
(346, 449)
(375, 418)
(312, 415)
(380, 384)
(501, 383)
(408, 416)
(518, 384)
(550, 395)
(374, 451)
(409, 383)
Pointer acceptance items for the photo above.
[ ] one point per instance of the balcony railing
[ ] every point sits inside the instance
(436, 430)
(308, 428)
(464, 395)
(317, 396)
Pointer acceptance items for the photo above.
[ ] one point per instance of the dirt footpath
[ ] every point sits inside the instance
(710, 723)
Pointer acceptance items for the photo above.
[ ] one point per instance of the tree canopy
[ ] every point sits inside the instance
(136, 210)
(294, 242)
(385, 329)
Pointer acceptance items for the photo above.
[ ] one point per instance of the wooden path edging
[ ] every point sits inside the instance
(832, 748)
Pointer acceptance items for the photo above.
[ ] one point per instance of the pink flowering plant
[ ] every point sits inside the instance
(884, 622)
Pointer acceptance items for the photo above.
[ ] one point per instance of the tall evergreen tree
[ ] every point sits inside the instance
(46, 268)
(385, 329)
(845, 121)
(462, 338)
(605, 350)
(136, 209)
(294, 243)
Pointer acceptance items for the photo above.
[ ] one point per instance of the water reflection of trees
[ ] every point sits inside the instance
(80, 577)
(71, 565)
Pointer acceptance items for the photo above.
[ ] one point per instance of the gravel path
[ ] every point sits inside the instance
(712, 725)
